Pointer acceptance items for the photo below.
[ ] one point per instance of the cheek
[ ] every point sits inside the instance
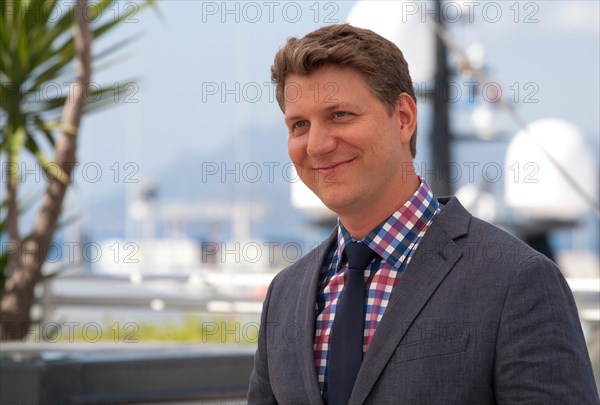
(296, 149)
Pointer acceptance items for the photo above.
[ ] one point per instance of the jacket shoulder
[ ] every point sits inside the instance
(490, 242)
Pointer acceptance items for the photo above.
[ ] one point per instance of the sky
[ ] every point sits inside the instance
(203, 70)
(202, 74)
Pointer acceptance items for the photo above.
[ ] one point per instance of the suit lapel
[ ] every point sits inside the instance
(305, 314)
(433, 260)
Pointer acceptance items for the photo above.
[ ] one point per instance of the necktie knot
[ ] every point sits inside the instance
(359, 255)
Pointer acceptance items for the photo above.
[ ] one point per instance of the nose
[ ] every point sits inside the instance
(321, 141)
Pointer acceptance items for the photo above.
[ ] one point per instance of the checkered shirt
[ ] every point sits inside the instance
(395, 241)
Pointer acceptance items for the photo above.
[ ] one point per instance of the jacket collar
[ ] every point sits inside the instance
(433, 260)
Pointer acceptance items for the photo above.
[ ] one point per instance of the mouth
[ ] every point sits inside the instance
(329, 168)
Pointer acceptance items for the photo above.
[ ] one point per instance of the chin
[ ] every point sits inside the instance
(336, 203)
(336, 197)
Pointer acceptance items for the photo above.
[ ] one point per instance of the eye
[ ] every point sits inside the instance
(341, 114)
(300, 124)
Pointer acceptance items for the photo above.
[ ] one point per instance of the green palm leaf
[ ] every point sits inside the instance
(37, 48)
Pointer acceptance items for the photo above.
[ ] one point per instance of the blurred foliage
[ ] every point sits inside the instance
(37, 50)
(226, 330)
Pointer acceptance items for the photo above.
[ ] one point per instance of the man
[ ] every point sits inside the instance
(450, 309)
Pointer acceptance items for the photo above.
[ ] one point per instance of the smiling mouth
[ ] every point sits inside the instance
(332, 167)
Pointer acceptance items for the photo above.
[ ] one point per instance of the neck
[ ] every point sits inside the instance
(359, 224)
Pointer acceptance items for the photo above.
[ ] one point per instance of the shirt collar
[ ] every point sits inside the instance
(394, 237)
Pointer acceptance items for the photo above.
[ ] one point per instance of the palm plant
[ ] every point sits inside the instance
(41, 41)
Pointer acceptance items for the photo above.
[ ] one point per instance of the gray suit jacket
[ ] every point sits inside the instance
(477, 318)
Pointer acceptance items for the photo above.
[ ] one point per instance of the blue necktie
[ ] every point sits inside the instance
(346, 340)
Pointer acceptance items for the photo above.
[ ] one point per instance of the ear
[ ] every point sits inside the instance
(406, 112)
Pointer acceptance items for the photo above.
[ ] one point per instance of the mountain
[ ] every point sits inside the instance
(255, 169)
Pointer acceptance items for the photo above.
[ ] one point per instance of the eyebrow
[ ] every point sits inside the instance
(334, 106)
(289, 120)
(342, 105)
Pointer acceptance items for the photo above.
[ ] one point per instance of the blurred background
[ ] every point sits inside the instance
(184, 203)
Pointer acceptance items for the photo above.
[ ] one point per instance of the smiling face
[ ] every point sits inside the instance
(347, 146)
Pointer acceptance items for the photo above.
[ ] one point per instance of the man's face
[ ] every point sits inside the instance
(345, 144)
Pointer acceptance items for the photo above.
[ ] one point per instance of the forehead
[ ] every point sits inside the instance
(325, 87)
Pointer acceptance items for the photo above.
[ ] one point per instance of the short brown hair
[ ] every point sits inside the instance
(378, 60)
